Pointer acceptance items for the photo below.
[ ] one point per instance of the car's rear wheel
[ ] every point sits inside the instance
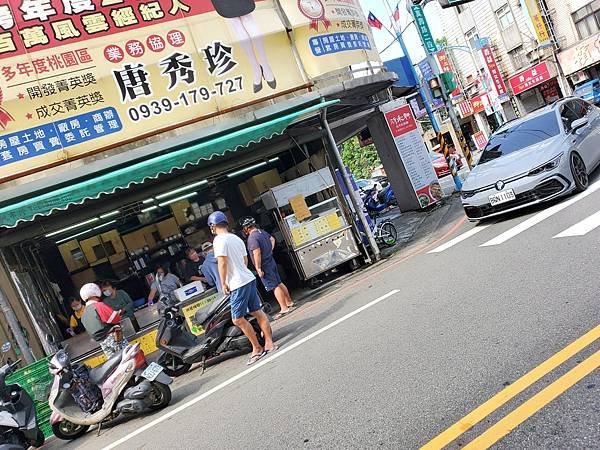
(579, 172)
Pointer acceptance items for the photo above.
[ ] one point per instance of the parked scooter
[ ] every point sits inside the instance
(18, 424)
(377, 201)
(123, 385)
(181, 348)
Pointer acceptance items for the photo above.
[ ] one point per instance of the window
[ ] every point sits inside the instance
(505, 17)
(472, 37)
(572, 111)
(587, 19)
(519, 58)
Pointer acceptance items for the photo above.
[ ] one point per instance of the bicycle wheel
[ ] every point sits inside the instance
(388, 233)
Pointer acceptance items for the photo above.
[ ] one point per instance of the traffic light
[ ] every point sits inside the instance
(448, 80)
(435, 88)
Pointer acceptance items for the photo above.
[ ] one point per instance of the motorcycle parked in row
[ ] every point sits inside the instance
(123, 385)
(181, 348)
(18, 424)
(377, 200)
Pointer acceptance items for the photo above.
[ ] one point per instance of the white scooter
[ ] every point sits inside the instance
(123, 385)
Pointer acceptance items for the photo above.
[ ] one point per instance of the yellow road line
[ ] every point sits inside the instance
(534, 404)
(482, 411)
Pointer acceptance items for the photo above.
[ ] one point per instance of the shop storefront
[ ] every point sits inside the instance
(581, 64)
(537, 86)
(108, 194)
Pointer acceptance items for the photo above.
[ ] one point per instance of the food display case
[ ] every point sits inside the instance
(311, 219)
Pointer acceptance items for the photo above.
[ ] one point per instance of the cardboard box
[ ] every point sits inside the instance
(168, 228)
(263, 182)
(72, 255)
(88, 245)
(113, 238)
(179, 209)
(246, 193)
(134, 241)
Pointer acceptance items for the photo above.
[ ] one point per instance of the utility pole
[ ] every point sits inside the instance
(15, 327)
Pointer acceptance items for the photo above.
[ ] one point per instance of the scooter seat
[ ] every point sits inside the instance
(98, 375)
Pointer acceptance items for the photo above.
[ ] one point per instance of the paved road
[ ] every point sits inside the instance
(393, 356)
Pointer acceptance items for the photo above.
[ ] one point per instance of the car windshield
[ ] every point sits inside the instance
(521, 135)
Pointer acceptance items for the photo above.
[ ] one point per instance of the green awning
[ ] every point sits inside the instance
(76, 193)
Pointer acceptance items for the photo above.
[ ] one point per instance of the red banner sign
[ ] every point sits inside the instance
(494, 70)
(465, 108)
(531, 77)
(480, 140)
(479, 103)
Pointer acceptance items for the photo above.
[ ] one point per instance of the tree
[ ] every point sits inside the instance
(361, 160)
(442, 42)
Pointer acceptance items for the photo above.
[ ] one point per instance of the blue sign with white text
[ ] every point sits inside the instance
(57, 135)
(326, 44)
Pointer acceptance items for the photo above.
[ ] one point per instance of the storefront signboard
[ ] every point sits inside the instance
(414, 155)
(480, 102)
(77, 77)
(494, 71)
(423, 29)
(580, 56)
(480, 140)
(330, 35)
(445, 66)
(465, 108)
(539, 26)
(531, 77)
(189, 311)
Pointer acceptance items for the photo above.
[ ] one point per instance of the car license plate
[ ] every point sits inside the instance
(152, 371)
(502, 197)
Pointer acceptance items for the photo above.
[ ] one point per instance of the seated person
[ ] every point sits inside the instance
(75, 324)
(164, 284)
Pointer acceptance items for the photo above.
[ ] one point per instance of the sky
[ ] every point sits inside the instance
(410, 35)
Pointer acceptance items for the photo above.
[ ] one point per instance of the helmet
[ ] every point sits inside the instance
(247, 221)
(217, 218)
(90, 290)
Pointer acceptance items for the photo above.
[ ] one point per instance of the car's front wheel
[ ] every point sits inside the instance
(579, 172)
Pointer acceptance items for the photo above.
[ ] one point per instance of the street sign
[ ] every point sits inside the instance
(423, 29)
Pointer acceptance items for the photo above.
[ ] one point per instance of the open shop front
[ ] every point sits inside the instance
(137, 213)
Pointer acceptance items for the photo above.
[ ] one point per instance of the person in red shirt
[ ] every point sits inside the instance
(102, 322)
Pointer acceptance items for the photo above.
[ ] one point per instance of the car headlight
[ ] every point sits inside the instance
(546, 167)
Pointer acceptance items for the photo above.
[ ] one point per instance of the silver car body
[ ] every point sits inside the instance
(519, 170)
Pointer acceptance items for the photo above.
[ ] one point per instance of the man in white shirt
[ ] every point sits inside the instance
(240, 284)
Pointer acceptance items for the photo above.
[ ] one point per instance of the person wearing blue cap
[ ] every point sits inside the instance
(239, 283)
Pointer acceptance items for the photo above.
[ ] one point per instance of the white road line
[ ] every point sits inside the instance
(541, 216)
(473, 231)
(248, 371)
(582, 228)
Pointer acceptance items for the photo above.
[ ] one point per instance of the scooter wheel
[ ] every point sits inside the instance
(160, 395)
(174, 366)
(68, 431)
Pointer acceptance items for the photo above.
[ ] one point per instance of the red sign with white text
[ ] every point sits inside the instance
(480, 140)
(465, 108)
(401, 121)
(531, 77)
(494, 70)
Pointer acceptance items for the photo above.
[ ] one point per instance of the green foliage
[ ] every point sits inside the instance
(361, 160)
(442, 42)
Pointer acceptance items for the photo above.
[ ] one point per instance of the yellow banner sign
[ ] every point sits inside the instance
(330, 34)
(78, 76)
(537, 20)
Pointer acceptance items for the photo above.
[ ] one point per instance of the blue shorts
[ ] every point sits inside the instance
(271, 279)
(244, 300)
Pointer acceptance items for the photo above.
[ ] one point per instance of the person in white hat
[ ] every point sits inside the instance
(101, 321)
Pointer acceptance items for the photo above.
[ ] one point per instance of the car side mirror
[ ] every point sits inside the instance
(579, 123)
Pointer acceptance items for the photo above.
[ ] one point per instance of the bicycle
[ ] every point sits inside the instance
(385, 233)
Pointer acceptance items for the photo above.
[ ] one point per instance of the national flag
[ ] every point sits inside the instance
(374, 21)
(396, 13)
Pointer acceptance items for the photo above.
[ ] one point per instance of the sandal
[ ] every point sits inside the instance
(255, 358)
(280, 314)
(273, 350)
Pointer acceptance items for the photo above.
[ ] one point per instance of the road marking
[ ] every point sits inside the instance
(534, 404)
(473, 231)
(541, 216)
(582, 228)
(485, 409)
(248, 371)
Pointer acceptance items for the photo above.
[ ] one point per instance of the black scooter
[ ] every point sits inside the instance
(18, 424)
(181, 348)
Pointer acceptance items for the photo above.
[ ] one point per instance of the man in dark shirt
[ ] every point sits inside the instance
(260, 246)
(192, 270)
